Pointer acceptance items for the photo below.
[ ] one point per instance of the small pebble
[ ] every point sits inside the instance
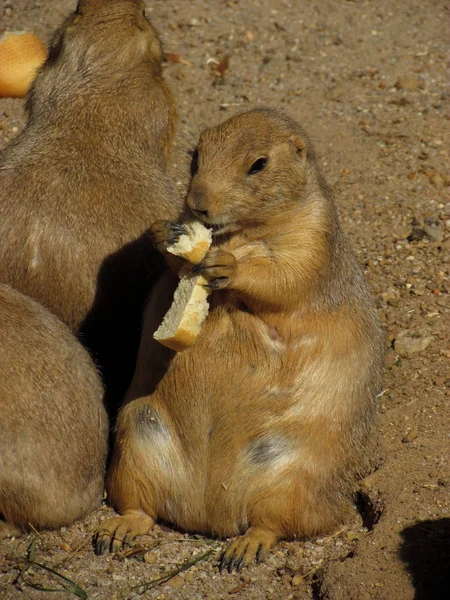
(406, 82)
(297, 580)
(418, 290)
(176, 582)
(410, 436)
(391, 296)
(296, 551)
(64, 546)
(336, 92)
(151, 558)
(406, 345)
(434, 232)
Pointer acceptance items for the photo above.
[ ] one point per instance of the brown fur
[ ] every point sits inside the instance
(82, 183)
(53, 425)
(263, 425)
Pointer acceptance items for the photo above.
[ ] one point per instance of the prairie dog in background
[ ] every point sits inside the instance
(53, 425)
(80, 186)
(261, 429)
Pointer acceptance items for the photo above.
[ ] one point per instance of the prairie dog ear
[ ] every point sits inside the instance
(299, 145)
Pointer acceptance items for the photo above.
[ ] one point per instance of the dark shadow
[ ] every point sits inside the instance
(111, 331)
(369, 509)
(426, 551)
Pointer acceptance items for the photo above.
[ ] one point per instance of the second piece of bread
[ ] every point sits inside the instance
(183, 320)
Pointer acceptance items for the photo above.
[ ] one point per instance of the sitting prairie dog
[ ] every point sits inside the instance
(82, 183)
(53, 426)
(261, 428)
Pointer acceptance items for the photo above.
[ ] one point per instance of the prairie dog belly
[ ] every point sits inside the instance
(274, 401)
(280, 364)
(218, 396)
(235, 355)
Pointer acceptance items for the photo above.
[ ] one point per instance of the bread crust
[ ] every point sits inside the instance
(196, 255)
(183, 339)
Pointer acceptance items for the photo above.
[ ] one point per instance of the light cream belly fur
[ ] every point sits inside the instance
(244, 409)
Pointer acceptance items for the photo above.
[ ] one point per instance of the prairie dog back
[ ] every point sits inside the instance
(82, 183)
(53, 424)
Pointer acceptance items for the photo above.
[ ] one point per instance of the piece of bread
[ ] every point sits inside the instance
(21, 55)
(194, 244)
(183, 320)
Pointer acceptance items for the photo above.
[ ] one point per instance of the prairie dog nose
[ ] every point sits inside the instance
(197, 202)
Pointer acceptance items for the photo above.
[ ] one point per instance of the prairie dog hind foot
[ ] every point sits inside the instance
(256, 543)
(8, 530)
(122, 530)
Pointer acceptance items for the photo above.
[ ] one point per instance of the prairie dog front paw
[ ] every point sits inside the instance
(218, 268)
(166, 233)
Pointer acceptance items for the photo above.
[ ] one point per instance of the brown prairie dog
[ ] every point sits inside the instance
(82, 183)
(53, 426)
(262, 427)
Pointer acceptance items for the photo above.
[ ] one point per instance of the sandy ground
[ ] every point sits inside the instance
(368, 81)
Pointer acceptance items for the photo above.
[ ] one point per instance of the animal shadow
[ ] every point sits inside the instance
(112, 329)
(426, 550)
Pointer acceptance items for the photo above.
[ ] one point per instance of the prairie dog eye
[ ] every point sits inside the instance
(257, 166)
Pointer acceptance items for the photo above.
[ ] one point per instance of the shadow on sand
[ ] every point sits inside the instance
(426, 552)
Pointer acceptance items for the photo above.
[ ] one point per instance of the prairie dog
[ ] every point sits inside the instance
(53, 425)
(80, 186)
(262, 427)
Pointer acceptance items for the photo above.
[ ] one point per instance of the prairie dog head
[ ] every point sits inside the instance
(250, 167)
(103, 42)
